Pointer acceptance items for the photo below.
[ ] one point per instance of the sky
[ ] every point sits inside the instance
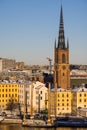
(28, 29)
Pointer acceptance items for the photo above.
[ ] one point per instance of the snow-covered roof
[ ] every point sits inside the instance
(61, 90)
(78, 72)
(79, 89)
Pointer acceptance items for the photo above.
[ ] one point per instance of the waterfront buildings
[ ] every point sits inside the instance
(25, 93)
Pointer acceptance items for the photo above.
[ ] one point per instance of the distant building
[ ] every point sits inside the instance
(6, 64)
(78, 77)
(19, 65)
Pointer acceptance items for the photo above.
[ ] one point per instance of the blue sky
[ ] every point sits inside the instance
(28, 29)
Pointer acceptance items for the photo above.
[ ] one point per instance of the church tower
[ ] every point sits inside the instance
(61, 58)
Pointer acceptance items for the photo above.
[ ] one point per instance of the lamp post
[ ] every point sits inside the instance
(55, 100)
(24, 102)
(50, 61)
(49, 104)
(31, 107)
(38, 87)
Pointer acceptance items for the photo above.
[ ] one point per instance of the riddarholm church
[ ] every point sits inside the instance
(61, 58)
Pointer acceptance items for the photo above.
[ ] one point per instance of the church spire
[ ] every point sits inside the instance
(61, 37)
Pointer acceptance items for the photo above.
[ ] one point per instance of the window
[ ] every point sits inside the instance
(80, 95)
(62, 95)
(15, 95)
(84, 100)
(15, 90)
(85, 95)
(84, 105)
(58, 104)
(62, 104)
(58, 95)
(80, 100)
(2, 90)
(67, 104)
(63, 58)
(41, 92)
(63, 74)
(67, 95)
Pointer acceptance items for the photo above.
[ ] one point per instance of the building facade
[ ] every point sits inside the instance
(33, 97)
(61, 101)
(79, 99)
(61, 58)
(8, 91)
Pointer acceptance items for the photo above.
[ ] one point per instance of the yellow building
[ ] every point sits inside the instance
(79, 99)
(8, 91)
(61, 102)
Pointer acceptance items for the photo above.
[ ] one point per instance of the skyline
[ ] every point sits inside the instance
(28, 29)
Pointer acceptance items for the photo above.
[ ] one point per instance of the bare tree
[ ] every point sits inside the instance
(11, 105)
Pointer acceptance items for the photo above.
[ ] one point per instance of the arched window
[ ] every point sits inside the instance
(63, 58)
(63, 74)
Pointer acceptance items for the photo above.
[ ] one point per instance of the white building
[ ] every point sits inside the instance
(32, 95)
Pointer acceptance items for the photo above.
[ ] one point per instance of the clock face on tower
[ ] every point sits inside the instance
(64, 67)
